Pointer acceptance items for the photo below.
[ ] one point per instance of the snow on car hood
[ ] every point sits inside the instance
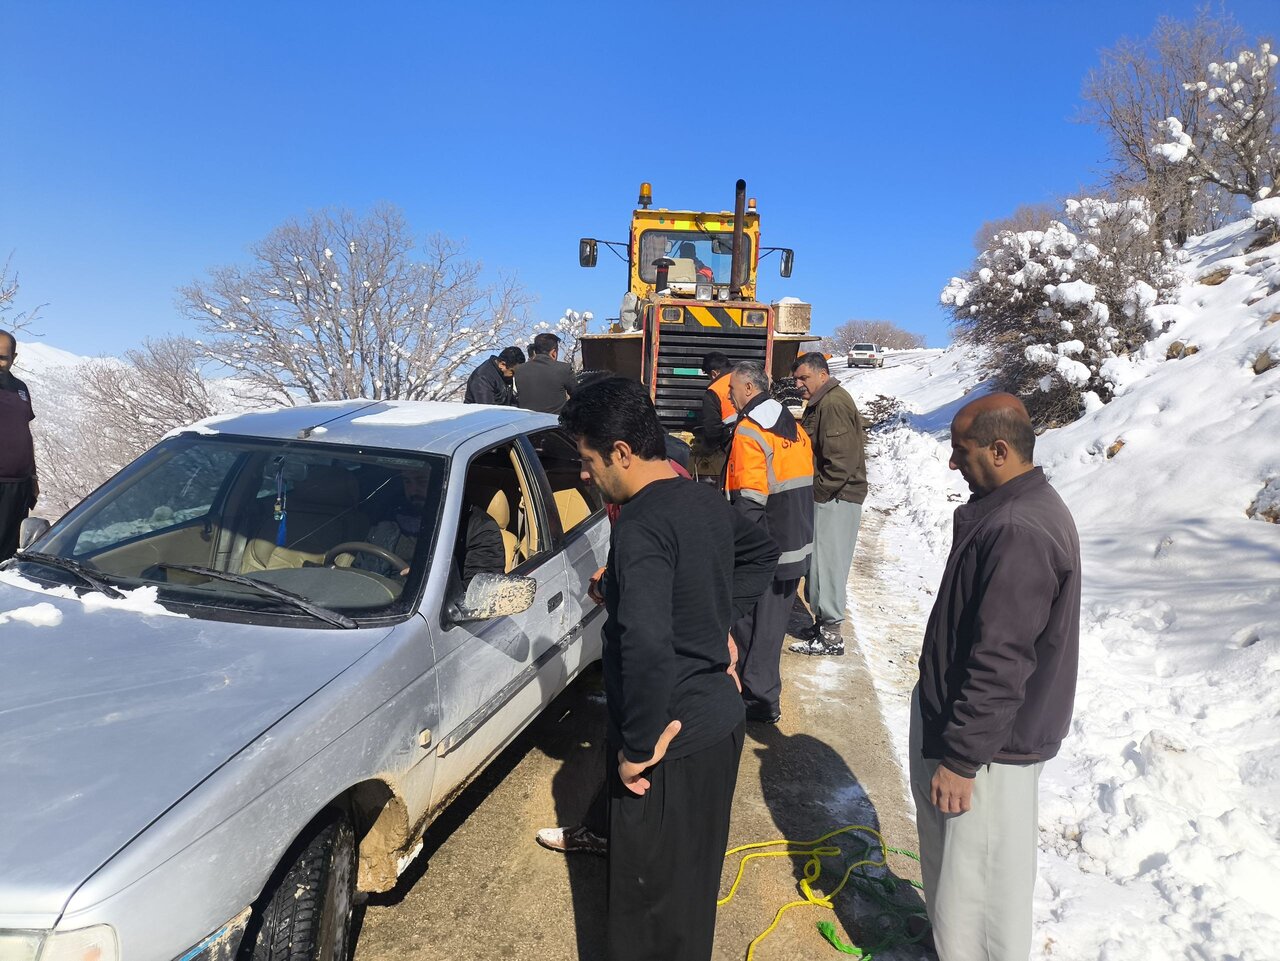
(110, 712)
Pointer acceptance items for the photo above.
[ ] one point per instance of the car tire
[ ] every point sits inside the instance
(305, 913)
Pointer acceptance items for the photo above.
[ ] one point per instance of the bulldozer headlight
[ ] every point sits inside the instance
(755, 318)
(672, 315)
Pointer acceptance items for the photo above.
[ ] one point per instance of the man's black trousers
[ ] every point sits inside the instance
(666, 849)
(15, 499)
(759, 637)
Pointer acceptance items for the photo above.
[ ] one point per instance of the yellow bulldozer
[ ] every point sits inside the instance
(692, 289)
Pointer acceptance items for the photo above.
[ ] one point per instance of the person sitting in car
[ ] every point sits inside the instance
(479, 547)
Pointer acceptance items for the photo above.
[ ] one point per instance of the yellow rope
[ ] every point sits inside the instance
(812, 871)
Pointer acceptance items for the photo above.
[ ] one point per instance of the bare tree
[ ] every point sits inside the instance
(1135, 88)
(885, 333)
(156, 389)
(338, 306)
(10, 321)
(1024, 217)
(97, 417)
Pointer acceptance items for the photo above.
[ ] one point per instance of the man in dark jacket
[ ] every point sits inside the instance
(19, 488)
(997, 686)
(835, 427)
(545, 383)
(491, 382)
(682, 565)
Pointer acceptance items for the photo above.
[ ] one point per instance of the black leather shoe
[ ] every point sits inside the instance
(764, 715)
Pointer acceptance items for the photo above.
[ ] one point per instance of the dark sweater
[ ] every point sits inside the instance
(998, 666)
(683, 566)
(544, 384)
(17, 453)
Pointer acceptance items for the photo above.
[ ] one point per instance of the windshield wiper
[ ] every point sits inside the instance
(71, 567)
(297, 600)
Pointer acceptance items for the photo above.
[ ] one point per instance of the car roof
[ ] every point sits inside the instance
(418, 425)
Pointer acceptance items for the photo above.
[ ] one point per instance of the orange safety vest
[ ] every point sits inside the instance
(720, 387)
(767, 471)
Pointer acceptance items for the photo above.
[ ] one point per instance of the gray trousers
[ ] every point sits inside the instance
(979, 868)
(835, 533)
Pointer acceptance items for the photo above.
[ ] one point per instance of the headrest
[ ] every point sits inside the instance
(500, 510)
(325, 487)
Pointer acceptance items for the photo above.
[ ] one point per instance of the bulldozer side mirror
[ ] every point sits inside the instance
(587, 252)
(786, 261)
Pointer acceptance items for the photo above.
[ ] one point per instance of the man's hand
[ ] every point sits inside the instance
(949, 792)
(594, 590)
(632, 772)
(733, 664)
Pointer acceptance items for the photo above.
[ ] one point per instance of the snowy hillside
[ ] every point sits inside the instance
(1161, 818)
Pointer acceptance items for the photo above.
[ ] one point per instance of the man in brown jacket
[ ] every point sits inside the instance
(997, 686)
(833, 423)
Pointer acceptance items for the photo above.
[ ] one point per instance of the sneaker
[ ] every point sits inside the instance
(827, 643)
(574, 840)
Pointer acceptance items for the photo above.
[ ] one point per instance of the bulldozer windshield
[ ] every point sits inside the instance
(696, 255)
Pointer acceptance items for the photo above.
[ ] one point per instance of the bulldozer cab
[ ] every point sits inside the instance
(692, 278)
(700, 248)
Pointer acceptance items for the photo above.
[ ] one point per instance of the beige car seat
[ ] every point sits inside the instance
(320, 514)
(499, 509)
(572, 507)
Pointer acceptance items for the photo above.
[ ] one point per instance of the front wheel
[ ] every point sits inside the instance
(305, 913)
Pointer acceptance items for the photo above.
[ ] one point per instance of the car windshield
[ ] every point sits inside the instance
(870, 348)
(222, 525)
(697, 254)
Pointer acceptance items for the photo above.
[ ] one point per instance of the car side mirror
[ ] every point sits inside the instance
(587, 252)
(786, 261)
(493, 595)
(30, 531)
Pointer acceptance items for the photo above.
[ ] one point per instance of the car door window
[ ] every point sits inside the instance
(498, 484)
(576, 501)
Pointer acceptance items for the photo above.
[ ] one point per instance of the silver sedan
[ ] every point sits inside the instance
(241, 678)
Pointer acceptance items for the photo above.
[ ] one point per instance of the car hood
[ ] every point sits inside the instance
(111, 712)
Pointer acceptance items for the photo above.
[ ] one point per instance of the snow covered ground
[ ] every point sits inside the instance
(1160, 820)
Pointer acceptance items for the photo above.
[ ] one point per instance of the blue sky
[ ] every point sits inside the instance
(148, 142)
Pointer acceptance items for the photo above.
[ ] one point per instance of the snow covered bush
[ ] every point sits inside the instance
(1237, 147)
(1052, 306)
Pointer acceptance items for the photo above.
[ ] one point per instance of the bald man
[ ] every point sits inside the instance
(997, 686)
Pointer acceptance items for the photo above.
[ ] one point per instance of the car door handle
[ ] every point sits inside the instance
(555, 601)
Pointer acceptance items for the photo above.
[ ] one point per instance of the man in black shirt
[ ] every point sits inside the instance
(18, 485)
(545, 383)
(491, 382)
(683, 566)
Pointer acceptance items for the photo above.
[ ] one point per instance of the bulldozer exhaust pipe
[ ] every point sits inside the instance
(738, 266)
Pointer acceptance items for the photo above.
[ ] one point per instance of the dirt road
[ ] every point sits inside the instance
(483, 889)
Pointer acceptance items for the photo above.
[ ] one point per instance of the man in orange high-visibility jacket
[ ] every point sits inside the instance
(718, 413)
(769, 478)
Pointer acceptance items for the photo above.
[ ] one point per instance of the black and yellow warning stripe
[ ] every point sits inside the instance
(714, 316)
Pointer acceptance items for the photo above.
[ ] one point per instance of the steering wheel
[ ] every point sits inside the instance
(397, 562)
